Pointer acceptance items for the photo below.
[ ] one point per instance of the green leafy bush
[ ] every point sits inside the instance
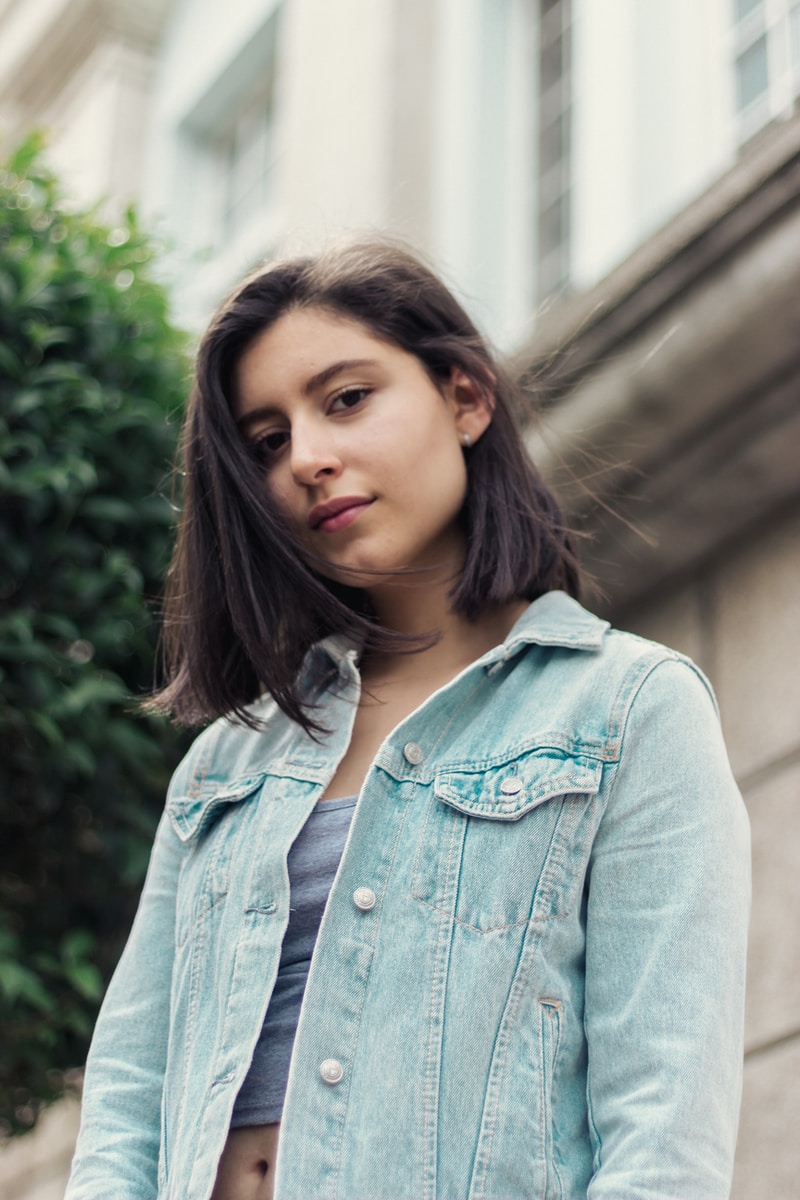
(92, 377)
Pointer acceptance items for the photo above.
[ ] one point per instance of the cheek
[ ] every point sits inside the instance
(284, 496)
(443, 474)
(420, 448)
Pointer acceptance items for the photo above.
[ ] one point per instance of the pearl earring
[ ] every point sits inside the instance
(466, 440)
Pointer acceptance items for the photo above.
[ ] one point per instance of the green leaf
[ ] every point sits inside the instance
(109, 508)
(94, 689)
(86, 979)
(9, 362)
(17, 983)
(79, 756)
(77, 945)
(47, 727)
(92, 378)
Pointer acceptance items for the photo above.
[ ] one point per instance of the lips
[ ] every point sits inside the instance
(337, 514)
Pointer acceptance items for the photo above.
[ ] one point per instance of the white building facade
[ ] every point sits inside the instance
(527, 145)
(613, 187)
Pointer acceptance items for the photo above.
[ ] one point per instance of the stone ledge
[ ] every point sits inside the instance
(673, 386)
(69, 33)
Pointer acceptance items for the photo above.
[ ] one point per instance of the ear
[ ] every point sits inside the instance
(470, 405)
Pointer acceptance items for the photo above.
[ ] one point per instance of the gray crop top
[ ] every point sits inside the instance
(312, 863)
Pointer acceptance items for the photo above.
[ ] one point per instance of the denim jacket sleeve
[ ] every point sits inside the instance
(121, 1118)
(668, 899)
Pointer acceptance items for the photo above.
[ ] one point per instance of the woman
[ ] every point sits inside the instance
(528, 977)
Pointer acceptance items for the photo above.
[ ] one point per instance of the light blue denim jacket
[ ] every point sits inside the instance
(529, 976)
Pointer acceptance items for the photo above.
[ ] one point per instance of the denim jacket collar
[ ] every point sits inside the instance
(554, 619)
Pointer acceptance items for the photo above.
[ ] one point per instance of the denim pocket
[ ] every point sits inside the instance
(506, 844)
(205, 874)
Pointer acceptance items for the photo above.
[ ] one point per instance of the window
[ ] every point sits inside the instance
(794, 36)
(223, 188)
(230, 144)
(554, 146)
(766, 61)
(752, 76)
(245, 152)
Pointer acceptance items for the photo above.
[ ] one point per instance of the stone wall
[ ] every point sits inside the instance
(739, 618)
(36, 1167)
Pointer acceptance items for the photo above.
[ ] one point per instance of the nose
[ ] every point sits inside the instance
(312, 453)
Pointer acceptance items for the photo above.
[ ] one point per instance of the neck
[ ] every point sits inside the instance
(416, 609)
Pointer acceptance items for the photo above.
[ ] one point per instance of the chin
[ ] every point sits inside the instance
(361, 577)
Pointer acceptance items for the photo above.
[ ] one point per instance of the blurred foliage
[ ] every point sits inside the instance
(92, 377)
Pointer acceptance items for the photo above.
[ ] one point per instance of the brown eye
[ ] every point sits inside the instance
(349, 398)
(267, 448)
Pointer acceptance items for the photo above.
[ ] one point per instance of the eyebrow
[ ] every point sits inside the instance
(313, 384)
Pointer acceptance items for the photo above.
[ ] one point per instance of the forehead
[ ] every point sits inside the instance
(303, 342)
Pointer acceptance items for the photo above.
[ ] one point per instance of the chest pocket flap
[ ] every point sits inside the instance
(190, 814)
(509, 791)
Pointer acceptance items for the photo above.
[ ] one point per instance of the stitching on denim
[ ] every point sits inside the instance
(629, 691)
(204, 889)
(548, 1079)
(497, 1067)
(641, 677)
(505, 812)
(597, 1153)
(344, 1097)
(545, 740)
(557, 858)
(201, 771)
(480, 683)
(433, 1056)
(196, 939)
(543, 1105)
(196, 944)
(650, 658)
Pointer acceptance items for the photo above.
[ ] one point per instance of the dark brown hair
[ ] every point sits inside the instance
(244, 603)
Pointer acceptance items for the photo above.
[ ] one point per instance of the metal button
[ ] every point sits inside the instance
(331, 1070)
(510, 787)
(364, 898)
(413, 753)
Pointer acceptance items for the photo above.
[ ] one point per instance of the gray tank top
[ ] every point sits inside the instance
(312, 863)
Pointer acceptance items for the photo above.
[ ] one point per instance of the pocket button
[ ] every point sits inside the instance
(510, 787)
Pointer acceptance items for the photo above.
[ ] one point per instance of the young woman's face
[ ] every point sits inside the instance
(358, 446)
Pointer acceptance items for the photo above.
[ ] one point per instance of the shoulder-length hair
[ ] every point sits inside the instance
(244, 603)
